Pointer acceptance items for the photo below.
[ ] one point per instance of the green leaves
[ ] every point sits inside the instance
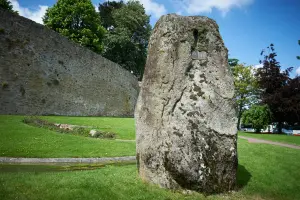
(77, 20)
(246, 87)
(258, 116)
(5, 4)
(128, 34)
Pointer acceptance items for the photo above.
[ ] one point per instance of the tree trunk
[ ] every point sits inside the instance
(240, 112)
(279, 127)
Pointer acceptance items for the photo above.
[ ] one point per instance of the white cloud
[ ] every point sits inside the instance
(96, 7)
(200, 6)
(298, 71)
(153, 8)
(258, 66)
(35, 15)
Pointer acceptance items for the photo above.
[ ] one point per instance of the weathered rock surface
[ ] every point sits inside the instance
(44, 73)
(185, 114)
(94, 133)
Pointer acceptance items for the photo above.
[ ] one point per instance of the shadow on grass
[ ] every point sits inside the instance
(243, 177)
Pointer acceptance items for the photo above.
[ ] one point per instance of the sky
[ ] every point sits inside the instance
(247, 26)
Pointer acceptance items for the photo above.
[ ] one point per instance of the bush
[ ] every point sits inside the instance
(81, 131)
(258, 116)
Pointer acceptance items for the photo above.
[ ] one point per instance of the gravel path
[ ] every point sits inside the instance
(67, 160)
(254, 140)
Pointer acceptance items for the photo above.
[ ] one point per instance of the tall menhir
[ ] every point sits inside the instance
(185, 115)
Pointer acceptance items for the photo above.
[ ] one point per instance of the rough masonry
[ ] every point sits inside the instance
(185, 114)
(44, 73)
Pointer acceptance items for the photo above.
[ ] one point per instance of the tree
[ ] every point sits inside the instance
(258, 116)
(105, 11)
(5, 4)
(272, 81)
(233, 62)
(77, 20)
(246, 88)
(128, 34)
(290, 95)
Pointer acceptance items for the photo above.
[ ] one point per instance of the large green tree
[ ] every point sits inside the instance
(129, 30)
(246, 86)
(105, 11)
(259, 116)
(77, 20)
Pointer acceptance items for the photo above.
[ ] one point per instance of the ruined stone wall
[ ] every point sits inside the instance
(44, 73)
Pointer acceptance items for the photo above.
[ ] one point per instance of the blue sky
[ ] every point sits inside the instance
(247, 26)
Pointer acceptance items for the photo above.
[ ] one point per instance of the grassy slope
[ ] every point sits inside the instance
(265, 172)
(274, 137)
(21, 140)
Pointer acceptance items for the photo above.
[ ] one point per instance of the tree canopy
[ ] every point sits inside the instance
(129, 30)
(77, 20)
(5, 4)
(105, 11)
(279, 91)
(259, 116)
(246, 88)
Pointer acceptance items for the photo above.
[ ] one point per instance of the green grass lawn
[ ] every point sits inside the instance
(273, 137)
(265, 172)
(21, 140)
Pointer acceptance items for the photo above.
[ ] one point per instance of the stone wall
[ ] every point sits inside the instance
(44, 73)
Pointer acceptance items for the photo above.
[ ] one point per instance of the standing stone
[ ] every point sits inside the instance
(185, 115)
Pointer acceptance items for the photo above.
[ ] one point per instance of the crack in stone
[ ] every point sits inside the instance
(179, 99)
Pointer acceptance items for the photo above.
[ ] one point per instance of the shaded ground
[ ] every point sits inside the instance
(255, 140)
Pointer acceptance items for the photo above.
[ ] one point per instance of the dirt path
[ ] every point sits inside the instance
(67, 160)
(254, 140)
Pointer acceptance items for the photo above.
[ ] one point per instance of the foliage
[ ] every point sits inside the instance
(5, 4)
(128, 34)
(105, 11)
(41, 123)
(233, 62)
(77, 20)
(279, 91)
(258, 116)
(123, 127)
(246, 87)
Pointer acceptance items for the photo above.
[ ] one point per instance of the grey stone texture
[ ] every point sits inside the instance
(185, 114)
(44, 73)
